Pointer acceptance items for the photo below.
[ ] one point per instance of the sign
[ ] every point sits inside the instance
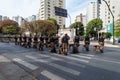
(60, 12)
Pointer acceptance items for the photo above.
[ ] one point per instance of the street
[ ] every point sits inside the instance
(19, 63)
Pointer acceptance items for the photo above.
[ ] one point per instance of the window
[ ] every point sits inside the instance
(113, 7)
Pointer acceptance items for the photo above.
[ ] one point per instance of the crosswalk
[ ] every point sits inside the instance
(50, 59)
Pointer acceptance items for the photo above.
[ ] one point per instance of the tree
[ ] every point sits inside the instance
(94, 26)
(79, 27)
(108, 35)
(54, 21)
(9, 27)
(40, 27)
(10, 30)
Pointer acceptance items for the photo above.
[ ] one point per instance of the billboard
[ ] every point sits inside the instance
(60, 12)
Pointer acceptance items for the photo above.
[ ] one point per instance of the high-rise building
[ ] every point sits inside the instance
(81, 18)
(5, 18)
(18, 19)
(105, 14)
(31, 18)
(92, 11)
(47, 10)
(0, 17)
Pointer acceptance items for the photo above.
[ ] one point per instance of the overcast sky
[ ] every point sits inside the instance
(27, 8)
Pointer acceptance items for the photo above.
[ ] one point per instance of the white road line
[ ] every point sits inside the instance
(107, 60)
(3, 59)
(81, 56)
(66, 69)
(51, 76)
(26, 64)
(89, 55)
(35, 59)
(72, 58)
(42, 55)
(54, 58)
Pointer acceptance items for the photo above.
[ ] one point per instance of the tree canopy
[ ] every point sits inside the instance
(79, 27)
(94, 26)
(9, 27)
(40, 27)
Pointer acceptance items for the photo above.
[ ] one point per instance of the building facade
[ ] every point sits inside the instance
(5, 18)
(0, 17)
(81, 18)
(91, 12)
(47, 10)
(31, 18)
(106, 16)
(18, 19)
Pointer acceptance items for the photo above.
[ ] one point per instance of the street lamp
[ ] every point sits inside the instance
(112, 17)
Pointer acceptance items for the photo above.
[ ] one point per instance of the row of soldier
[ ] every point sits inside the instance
(52, 42)
(37, 41)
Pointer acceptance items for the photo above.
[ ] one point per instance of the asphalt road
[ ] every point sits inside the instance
(19, 63)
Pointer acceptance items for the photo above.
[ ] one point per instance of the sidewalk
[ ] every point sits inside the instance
(107, 44)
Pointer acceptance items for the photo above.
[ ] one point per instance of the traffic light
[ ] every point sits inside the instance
(99, 1)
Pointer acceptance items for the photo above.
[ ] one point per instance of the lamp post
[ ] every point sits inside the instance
(99, 1)
(112, 17)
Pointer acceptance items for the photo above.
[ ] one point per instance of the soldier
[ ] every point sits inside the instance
(16, 40)
(29, 41)
(41, 43)
(35, 41)
(52, 44)
(101, 43)
(65, 43)
(25, 41)
(87, 42)
(20, 40)
(76, 44)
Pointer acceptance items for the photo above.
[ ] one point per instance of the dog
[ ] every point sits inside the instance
(84, 47)
(60, 51)
(75, 48)
(96, 48)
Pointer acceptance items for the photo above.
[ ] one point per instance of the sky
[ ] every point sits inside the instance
(26, 8)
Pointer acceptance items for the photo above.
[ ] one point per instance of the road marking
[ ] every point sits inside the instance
(66, 69)
(89, 55)
(51, 76)
(4, 59)
(107, 60)
(54, 58)
(81, 56)
(35, 59)
(26, 64)
(68, 57)
(42, 55)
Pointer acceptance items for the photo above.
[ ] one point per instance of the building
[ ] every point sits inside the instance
(92, 11)
(5, 18)
(0, 17)
(47, 10)
(18, 19)
(106, 16)
(81, 18)
(31, 18)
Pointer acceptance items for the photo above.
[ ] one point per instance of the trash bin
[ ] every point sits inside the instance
(118, 40)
